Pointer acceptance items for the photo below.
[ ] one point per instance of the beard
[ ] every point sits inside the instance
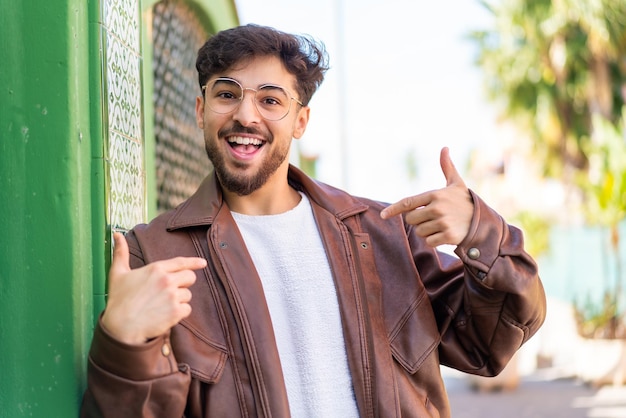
(240, 179)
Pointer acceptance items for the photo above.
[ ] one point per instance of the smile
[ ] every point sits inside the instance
(240, 140)
(244, 147)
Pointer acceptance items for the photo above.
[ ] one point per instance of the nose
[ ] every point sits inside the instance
(247, 112)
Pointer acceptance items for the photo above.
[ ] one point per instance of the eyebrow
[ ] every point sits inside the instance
(270, 86)
(260, 86)
(225, 80)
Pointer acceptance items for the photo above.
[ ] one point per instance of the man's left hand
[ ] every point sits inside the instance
(440, 216)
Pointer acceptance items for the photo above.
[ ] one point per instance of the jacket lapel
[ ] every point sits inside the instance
(246, 298)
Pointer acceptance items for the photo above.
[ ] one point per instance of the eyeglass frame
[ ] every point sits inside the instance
(243, 91)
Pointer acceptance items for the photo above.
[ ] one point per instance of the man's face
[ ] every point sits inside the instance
(247, 150)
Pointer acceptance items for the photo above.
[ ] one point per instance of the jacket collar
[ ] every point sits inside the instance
(202, 207)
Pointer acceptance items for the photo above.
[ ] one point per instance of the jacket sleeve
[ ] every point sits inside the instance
(491, 302)
(133, 380)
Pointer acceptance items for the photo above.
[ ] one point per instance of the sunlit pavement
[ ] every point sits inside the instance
(610, 401)
(536, 397)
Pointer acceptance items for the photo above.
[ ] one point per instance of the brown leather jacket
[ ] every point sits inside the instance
(405, 308)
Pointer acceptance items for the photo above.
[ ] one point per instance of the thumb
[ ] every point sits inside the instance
(449, 169)
(121, 258)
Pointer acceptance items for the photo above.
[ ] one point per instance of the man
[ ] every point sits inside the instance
(270, 294)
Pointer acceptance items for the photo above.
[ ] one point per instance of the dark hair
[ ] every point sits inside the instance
(302, 56)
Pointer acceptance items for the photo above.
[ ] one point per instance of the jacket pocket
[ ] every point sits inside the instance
(416, 335)
(206, 359)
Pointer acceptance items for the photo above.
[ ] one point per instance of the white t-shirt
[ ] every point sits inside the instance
(289, 256)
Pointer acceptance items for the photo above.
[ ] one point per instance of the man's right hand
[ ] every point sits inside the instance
(146, 302)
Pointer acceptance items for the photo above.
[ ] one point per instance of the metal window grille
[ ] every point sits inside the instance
(181, 161)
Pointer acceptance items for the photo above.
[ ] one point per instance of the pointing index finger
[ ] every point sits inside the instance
(405, 205)
(183, 263)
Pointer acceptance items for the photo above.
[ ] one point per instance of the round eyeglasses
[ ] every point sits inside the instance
(224, 95)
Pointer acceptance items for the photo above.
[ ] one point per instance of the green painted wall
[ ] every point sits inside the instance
(46, 261)
(53, 236)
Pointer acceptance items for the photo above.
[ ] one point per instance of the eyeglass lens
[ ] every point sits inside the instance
(225, 95)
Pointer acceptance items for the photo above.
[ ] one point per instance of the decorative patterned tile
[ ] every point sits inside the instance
(122, 91)
(122, 19)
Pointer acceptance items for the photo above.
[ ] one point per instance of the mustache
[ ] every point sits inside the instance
(238, 128)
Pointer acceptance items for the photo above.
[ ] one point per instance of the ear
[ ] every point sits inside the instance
(302, 120)
(200, 112)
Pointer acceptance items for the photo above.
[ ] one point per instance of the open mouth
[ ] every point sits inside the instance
(244, 145)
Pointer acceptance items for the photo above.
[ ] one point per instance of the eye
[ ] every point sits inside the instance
(225, 90)
(270, 101)
(270, 96)
(226, 95)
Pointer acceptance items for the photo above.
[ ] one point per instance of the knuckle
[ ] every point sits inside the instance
(431, 240)
(191, 276)
(184, 310)
(171, 300)
(155, 269)
(406, 203)
(187, 311)
(166, 280)
(437, 211)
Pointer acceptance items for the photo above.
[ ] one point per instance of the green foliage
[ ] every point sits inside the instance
(558, 69)
(605, 204)
(536, 232)
(600, 320)
(551, 64)
(605, 183)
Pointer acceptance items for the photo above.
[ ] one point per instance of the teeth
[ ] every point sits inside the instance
(244, 140)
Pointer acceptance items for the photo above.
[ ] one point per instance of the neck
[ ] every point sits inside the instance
(271, 199)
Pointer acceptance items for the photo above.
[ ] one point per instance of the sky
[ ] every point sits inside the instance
(401, 86)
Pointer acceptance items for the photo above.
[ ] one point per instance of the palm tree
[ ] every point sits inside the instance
(605, 188)
(552, 65)
(558, 69)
